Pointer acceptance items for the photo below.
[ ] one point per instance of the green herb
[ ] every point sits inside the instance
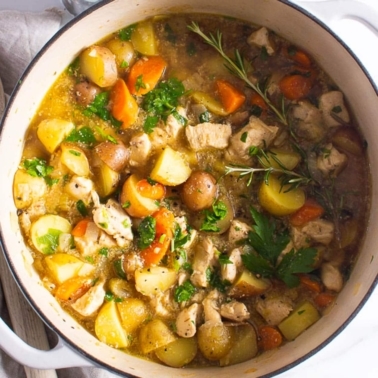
(161, 101)
(38, 168)
(74, 67)
(89, 259)
(82, 208)
(147, 232)
(268, 246)
(216, 282)
(237, 67)
(126, 205)
(169, 33)
(139, 83)
(109, 296)
(126, 223)
(83, 135)
(124, 64)
(188, 267)
(243, 137)
(204, 117)
(301, 312)
(103, 225)
(74, 152)
(224, 259)
(182, 120)
(99, 107)
(49, 241)
(217, 212)
(151, 181)
(104, 251)
(179, 238)
(264, 53)
(118, 267)
(337, 109)
(184, 292)
(126, 33)
(106, 136)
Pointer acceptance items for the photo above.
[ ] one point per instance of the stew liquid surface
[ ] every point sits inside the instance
(194, 190)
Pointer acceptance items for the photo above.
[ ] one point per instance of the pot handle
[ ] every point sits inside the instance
(330, 11)
(61, 356)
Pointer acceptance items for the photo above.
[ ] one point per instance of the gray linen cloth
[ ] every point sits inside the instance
(22, 35)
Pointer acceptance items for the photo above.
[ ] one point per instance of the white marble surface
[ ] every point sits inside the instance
(354, 352)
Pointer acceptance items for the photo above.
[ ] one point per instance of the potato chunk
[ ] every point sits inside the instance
(178, 353)
(248, 284)
(74, 159)
(133, 312)
(150, 281)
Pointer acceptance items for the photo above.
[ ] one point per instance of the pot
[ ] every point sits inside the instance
(76, 346)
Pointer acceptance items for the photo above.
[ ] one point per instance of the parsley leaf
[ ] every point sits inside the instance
(179, 238)
(99, 107)
(217, 212)
(126, 33)
(147, 232)
(216, 281)
(50, 241)
(184, 292)
(162, 101)
(38, 168)
(268, 245)
(81, 208)
(83, 135)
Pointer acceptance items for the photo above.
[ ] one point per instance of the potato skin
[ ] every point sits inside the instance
(199, 191)
(115, 156)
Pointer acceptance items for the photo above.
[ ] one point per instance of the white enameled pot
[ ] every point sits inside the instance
(76, 346)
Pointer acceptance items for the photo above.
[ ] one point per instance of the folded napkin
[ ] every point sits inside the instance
(22, 35)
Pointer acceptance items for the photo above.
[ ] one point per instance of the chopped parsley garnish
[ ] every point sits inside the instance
(216, 281)
(124, 64)
(104, 251)
(139, 83)
(89, 259)
(81, 208)
(184, 292)
(268, 245)
(73, 68)
(83, 135)
(38, 168)
(74, 152)
(337, 109)
(204, 117)
(118, 267)
(126, 205)
(99, 107)
(106, 136)
(244, 136)
(151, 181)
(217, 212)
(179, 238)
(224, 259)
(126, 33)
(147, 232)
(109, 296)
(161, 101)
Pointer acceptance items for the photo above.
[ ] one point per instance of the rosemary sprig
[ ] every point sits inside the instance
(237, 68)
(293, 179)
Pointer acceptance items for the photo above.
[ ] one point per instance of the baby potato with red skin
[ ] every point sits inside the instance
(199, 191)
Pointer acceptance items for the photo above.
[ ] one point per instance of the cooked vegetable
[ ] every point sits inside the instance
(73, 288)
(74, 159)
(178, 353)
(108, 326)
(124, 53)
(124, 106)
(114, 155)
(107, 180)
(295, 87)
(45, 232)
(143, 38)
(209, 102)
(52, 132)
(269, 338)
(98, 64)
(155, 335)
(277, 200)
(134, 202)
(145, 74)
(347, 139)
(309, 211)
(298, 56)
(133, 313)
(215, 340)
(150, 189)
(232, 99)
(199, 190)
(152, 280)
(247, 284)
(170, 168)
(279, 158)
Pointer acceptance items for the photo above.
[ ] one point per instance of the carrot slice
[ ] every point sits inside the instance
(124, 105)
(309, 211)
(324, 299)
(165, 221)
(231, 98)
(153, 191)
(295, 87)
(298, 56)
(80, 228)
(145, 74)
(257, 100)
(310, 283)
(73, 288)
(269, 338)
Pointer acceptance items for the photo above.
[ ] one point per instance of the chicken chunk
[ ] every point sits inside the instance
(235, 311)
(173, 126)
(131, 262)
(188, 319)
(274, 310)
(229, 272)
(203, 258)
(183, 224)
(309, 121)
(80, 188)
(260, 38)
(164, 305)
(331, 162)
(140, 147)
(331, 277)
(238, 231)
(113, 220)
(333, 103)
(256, 134)
(91, 301)
(319, 230)
(208, 135)
(211, 307)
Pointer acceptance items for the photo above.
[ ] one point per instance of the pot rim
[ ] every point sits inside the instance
(32, 301)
